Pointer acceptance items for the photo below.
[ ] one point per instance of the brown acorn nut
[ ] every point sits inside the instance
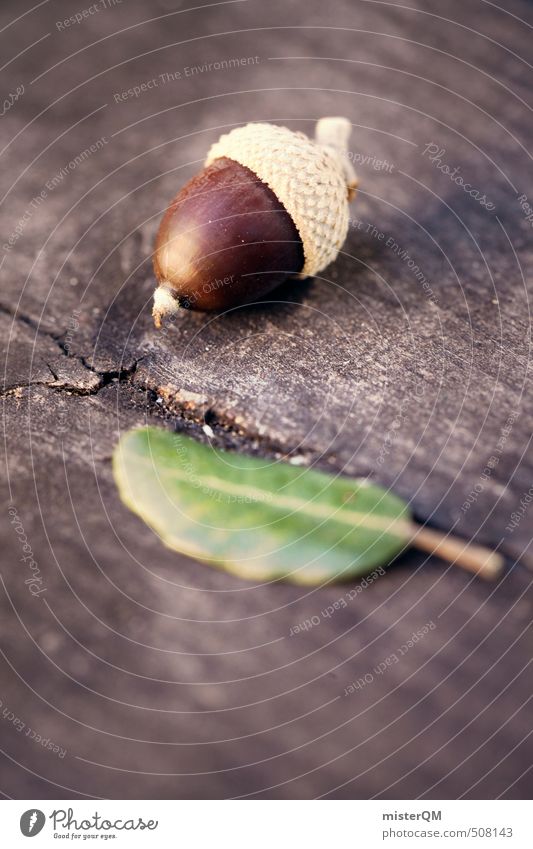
(268, 204)
(225, 239)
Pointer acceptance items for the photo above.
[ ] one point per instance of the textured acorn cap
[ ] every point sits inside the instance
(314, 180)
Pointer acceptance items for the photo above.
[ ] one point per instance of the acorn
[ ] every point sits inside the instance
(269, 203)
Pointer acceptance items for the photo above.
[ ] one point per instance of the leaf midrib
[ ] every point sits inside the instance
(394, 526)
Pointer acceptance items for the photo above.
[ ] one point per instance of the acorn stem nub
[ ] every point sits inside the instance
(334, 135)
(165, 304)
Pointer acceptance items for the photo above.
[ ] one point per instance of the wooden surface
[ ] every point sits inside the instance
(407, 361)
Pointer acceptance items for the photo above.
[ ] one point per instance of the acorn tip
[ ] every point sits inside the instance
(165, 305)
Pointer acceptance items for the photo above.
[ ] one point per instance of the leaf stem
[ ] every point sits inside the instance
(475, 558)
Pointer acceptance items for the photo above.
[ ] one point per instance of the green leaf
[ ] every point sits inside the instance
(260, 519)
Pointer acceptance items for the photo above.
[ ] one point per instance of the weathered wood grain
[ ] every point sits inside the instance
(407, 360)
